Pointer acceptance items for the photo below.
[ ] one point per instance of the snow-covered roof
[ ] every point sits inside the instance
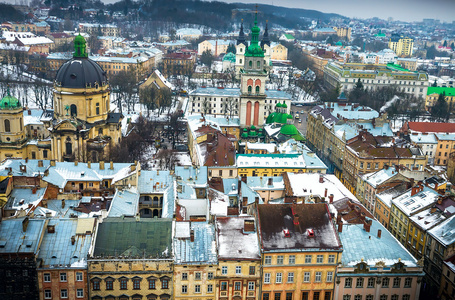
(32, 116)
(262, 183)
(188, 31)
(269, 147)
(125, 203)
(219, 203)
(444, 232)
(379, 177)
(155, 181)
(423, 138)
(360, 245)
(427, 219)
(200, 251)
(410, 204)
(234, 242)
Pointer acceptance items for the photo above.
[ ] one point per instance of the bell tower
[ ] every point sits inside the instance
(253, 77)
(12, 129)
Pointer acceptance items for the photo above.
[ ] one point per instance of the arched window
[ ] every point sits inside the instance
(258, 64)
(73, 109)
(250, 63)
(7, 126)
(257, 89)
(20, 123)
(249, 89)
(100, 131)
(97, 108)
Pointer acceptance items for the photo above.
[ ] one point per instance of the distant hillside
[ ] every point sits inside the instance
(9, 13)
(220, 15)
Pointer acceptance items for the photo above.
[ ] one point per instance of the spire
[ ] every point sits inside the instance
(241, 39)
(265, 37)
(80, 47)
(254, 49)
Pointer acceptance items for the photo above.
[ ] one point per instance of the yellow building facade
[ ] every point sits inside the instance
(402, 46)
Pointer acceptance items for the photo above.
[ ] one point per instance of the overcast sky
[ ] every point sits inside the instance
(404, 10)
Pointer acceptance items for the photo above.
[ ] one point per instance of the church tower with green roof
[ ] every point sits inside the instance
(12, 131)
(253, 77)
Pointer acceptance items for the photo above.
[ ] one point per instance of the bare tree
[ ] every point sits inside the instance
(43, 93)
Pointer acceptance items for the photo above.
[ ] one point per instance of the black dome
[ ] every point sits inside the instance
(80, 73)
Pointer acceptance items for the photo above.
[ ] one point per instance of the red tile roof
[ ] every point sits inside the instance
(431, 127)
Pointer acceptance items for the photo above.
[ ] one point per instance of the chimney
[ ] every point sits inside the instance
(367, 225)
(192, 235)
(243, 179)
(331, 198)
(29, 112)
(25, 224)
(34, 190)
(40, 163)
(414, 190)
(89, 164)
(379, 233)
(101, 165)
(325, 192)
(73, 240)
(75, 162)
(386, 167)
(112, 165)
(433, 210)
(296, 220)
(338, 218)
(23, 168)
(50, 228)
(270, 181)
(248, 225)
(53, 162)
(340, 227)
(46, 172)
(321, 178)
(439, 200)
(63, 203)
(26, 160)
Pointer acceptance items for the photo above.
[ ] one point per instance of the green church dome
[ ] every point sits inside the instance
(289, 129)
(279, 105)
(9, 102)
(284, 105)
(270, 118)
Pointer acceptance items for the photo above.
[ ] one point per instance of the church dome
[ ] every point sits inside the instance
(289, 129)
(229, 57)
(9, 102)
(80, 72)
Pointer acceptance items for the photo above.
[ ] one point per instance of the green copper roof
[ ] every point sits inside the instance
(270, 118)
(254, 49)
(278, 105)
(9, 102)
(289, 129)
(284, 105)
(229, 57)
(449, 91)
(80, 47)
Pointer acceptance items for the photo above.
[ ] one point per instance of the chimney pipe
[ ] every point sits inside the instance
(101, 165)
(325, 192)
(439, 200)
(63, 203)
(379, 233)
(340, 227)
(192, 235)
(367, 225)
(75, 162)
(73, 240)
(270, 181)
(112, 165)
(89, 164)
(331, 198)
(25, 224)
(321, 178)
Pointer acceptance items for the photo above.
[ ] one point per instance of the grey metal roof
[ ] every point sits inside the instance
(14, 240)
(80, 73)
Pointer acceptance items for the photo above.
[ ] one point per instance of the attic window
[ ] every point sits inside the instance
(50, 228)
(286, 233)
(2, 244)
(310, 232)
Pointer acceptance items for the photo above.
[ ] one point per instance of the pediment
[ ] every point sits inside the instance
(65, 125)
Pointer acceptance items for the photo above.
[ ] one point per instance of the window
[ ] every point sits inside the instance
(383, 297)
(136, 284)
(308, 259)
(47, 277)
(164, 283)
(267, 278)
(348, 282)
(80, 293)
(406, 297)
(238, 270)
(370, 283)
(369, 297)
(268, 260)
(329, 276)
(251, 285)
(197, 288)
(346, 297)
(47, 294)
(224, 285)
(62, 277)
(184, 289)
(123, 283)
(306, 277)
(210, 288)
(290, 277)
(97, 108)
(319, 259)
(152, 284)
(224, 270)
(407, 282)
(396, 282)
(327, 295)
(184, 276)
(197, 275)
(394, 297)
(358, 297)
(359, 283)
(288, 296)
(279, 260)
(96, 285)
(237, 286)
(304, 295)
(220, 173)
(315, 295)
(7, 126)
(252, 270)
(79, 276)
(64, 293)
(109, 284)
(331, 259)
(291, 259)
(318, 277)
(210, 275)
(277, 296)
(265, 296)
(385, 282)
(279, 277)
